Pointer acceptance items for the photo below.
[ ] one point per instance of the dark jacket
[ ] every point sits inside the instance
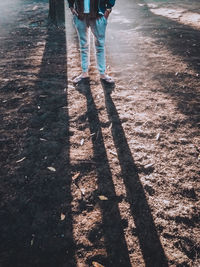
(97, 7)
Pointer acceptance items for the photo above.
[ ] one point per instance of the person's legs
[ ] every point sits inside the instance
(83, 32)
(98, 28)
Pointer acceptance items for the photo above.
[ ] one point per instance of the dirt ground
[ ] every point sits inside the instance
(94, 175)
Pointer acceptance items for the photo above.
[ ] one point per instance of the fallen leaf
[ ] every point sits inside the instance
(32, 240)
(42, 96)
(103, 198)
(34, 8)
(157, 136)
(82, 191)
(113, 153)
(96, 264)
(148, 165)
(82, 142)
(39, 43)
(52, 169)
(42, 139)
(20, 160)
(62, 216)
(184, 141)
(76, 176)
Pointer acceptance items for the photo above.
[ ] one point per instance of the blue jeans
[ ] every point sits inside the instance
(98, 28)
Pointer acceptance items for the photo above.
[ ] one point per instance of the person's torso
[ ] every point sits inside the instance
(86, 9)
(93, 8)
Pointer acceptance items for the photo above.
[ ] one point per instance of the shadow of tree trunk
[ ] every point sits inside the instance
(57, 12)
(33, 233)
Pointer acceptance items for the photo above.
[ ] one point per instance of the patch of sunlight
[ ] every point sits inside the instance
(120, 20)
(116, 12)
(167, 12)
(191, 18)
(151, 5)
(181, 15)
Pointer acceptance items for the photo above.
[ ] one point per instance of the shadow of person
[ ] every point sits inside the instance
(149, 241)
(33, 232)
(112, 229)
(83, 86)
(110, 87)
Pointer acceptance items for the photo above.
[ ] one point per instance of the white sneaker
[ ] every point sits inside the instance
(106, 78)
(79, 78)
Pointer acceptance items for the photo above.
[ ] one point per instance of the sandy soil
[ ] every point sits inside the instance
(93, 175)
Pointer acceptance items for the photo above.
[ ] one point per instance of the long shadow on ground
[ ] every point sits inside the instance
(149, 241)
(32, 232)
(111, 221)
